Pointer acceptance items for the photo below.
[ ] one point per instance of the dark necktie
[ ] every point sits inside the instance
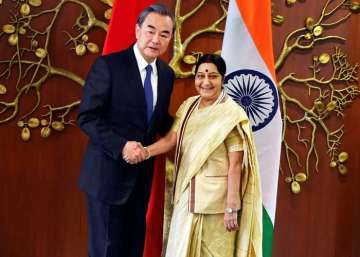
(148, 92)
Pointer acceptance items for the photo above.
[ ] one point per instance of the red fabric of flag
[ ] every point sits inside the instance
(121, 32)
(121, 35)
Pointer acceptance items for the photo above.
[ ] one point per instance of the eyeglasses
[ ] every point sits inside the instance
(210, 76)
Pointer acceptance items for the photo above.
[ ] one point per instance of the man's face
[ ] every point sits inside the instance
(154, 35)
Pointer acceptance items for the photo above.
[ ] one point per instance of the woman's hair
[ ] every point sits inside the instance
(215, 59)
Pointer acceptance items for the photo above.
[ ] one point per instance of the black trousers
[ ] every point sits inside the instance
(119, 230)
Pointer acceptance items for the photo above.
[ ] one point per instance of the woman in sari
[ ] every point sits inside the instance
(216, 196)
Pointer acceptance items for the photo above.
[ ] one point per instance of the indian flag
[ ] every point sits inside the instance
(250, 81)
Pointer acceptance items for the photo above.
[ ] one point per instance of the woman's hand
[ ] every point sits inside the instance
(133, 152)
(233, 194)
(231, 221)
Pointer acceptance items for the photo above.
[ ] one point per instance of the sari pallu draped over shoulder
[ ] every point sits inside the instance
(212, 127)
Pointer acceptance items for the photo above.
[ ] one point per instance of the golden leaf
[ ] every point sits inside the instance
(278, 19)
(3, 89)
(45, 132)
(25, 9)
(35, 2)
(355, 7)
(295, 187)
(107, 14)
(44, 122)
(318, 30)
(300, 177)
(309, 23)
(22, 30)
(33, 122)
(8, 28)
(331, 106)
(290, 2)
(92, 47)
(324, 58)
(34, 43)
(85, 38)
(218, 52)
(40, 52)
(13, 39)
(25, 134)
(80, 50)
(319, 105)
(20, 124)
(288, 179)
(108, 2)
(342, 169)
(189, 59)
(57, 125)
(308, 36)
(333, 164)
(343, 156)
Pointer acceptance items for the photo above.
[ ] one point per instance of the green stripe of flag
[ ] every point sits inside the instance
(268, 229)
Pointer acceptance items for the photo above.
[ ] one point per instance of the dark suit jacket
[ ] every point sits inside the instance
(112, 112)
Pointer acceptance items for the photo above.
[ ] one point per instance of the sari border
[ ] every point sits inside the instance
(192, 195)
(179, 141)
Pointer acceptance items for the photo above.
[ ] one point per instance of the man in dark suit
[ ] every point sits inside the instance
(125, 101)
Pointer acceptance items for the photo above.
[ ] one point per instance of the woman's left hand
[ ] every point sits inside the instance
(231, 221)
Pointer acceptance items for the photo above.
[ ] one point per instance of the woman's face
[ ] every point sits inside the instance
(208, 82)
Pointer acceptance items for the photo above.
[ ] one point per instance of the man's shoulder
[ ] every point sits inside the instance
(116, 56)
(165, 67)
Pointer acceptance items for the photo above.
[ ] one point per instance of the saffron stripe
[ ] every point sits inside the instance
(258, 22)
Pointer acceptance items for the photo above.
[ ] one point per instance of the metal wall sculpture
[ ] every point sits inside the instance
(330, 92)
(33, 65)
(180, 53)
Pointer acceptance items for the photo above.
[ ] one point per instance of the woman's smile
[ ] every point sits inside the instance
(208, 83)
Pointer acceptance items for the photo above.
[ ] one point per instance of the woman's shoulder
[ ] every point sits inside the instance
(186, 105)
(187, 102)
(191, 99)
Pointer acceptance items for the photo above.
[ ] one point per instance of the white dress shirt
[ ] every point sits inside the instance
(142, 63)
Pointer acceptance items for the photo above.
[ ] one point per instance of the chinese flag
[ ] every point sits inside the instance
(121, 35)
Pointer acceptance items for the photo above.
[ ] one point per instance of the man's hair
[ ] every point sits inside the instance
(156, 8)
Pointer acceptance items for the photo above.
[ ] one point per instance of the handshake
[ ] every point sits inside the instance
(134, 152)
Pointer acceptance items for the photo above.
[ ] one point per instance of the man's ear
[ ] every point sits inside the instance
(137, 31)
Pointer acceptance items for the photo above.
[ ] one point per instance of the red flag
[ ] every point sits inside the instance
(155, 213)
(121, 35)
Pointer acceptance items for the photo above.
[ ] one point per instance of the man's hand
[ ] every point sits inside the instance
(133, 152)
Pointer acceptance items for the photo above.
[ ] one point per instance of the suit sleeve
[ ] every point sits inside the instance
(91, 118)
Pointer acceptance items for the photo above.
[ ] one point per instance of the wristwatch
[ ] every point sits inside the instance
(230, 210)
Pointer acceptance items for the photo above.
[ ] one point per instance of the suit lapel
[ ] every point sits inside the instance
(134, 79)
(134, 75)
(161, 83)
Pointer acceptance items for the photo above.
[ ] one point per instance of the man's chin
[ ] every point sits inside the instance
(152, 53)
